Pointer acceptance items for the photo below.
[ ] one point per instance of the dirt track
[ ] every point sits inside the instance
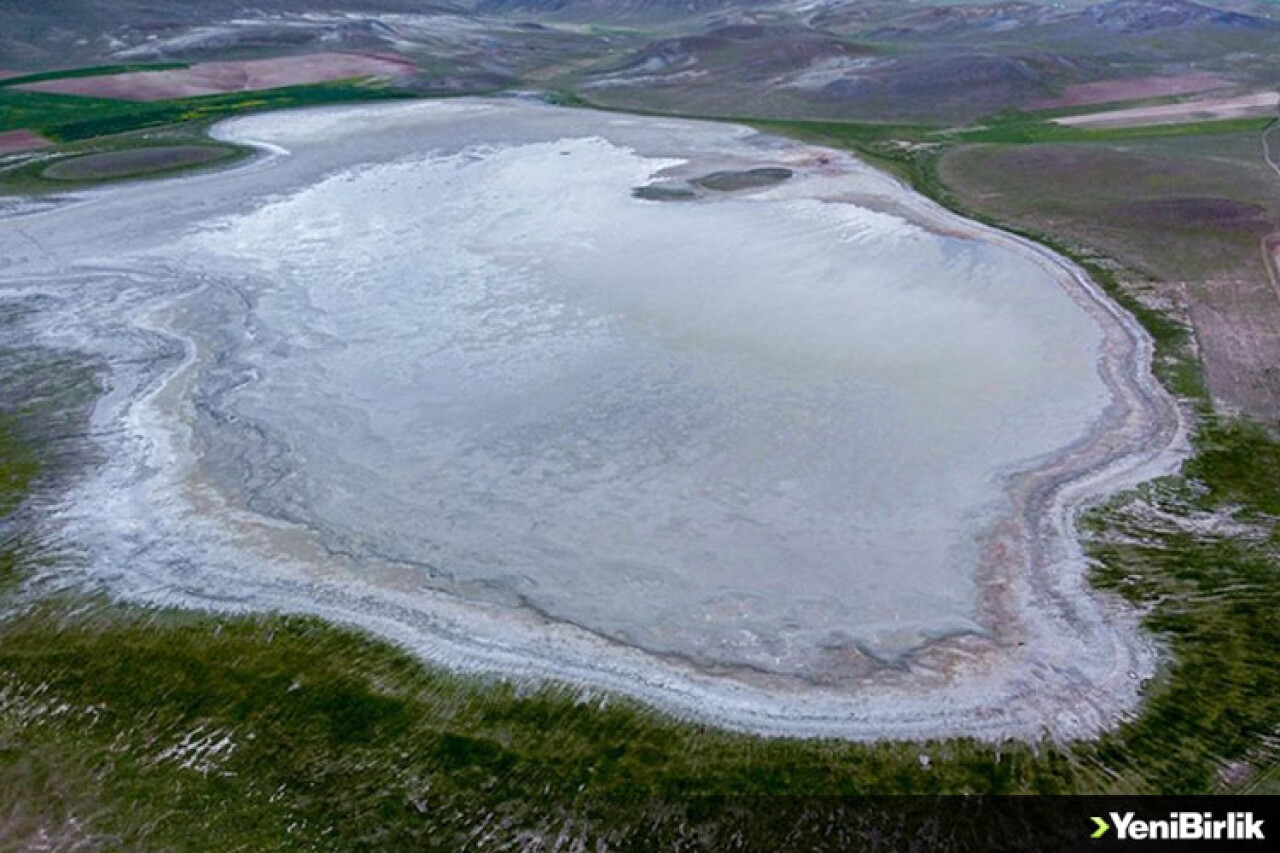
(1271, 257)
(1204, 109)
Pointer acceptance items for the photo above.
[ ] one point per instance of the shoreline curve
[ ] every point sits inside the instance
(1036, 589)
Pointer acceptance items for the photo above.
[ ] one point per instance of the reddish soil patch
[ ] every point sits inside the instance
(1219, 213)
(1132, 89)
(215, 78)
(4, 72)
(21, 140)
(1025, 168)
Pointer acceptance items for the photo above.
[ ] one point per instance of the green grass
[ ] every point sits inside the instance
(1010, 128)
(1243, 464)
(30, 178)
(96, 125)
(1005, 128)
(564, 98)
(1019, 129)
(68, 118)
(850, 134)
(18, 469)
(358, 746)
(1268, 784)
(1213, 599)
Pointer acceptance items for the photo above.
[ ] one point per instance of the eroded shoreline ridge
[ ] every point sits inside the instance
(799, 458)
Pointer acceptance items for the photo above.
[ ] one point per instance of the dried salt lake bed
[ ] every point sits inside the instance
(798, 456)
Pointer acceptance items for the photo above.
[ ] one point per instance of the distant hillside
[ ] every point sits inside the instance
(1132, 16)
(866, 59)
(59, 33)
(612, 10)
(1118, 17)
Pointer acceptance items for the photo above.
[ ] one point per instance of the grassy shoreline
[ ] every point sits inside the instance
(88, 127)
(138, 727)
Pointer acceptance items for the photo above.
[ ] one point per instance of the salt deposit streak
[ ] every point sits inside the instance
(798, 460)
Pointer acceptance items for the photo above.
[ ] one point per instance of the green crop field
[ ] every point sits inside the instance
(69, 118)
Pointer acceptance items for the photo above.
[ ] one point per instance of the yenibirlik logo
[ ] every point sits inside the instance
(1182, 826)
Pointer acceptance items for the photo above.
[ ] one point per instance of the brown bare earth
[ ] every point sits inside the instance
(214, 78)
(1237, 324)
(1222, 214)
(21, 140)
(1132, 89)
(1204, 109)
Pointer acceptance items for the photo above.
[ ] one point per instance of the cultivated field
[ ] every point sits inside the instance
(1185, 217)
(20, 140)
(216, 78)
(1132, 89)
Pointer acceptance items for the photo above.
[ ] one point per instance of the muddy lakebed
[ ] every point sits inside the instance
(799, 454)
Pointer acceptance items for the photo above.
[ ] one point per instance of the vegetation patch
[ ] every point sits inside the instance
(133, 162)
(748, 179)
(19, 469)
(67, 118)
(289, 733)
(1223, 214)
(1018, 128)
(661, 192)
(104, 139)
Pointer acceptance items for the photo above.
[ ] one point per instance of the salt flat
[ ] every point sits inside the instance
(799, 459)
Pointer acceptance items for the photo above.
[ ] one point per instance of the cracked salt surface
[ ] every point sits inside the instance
(793, 460)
